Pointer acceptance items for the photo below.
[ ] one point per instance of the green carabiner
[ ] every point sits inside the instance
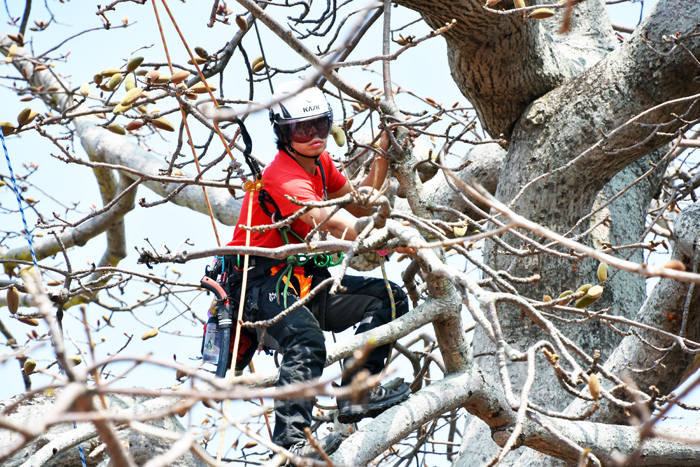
(322, 260)
(335, 263)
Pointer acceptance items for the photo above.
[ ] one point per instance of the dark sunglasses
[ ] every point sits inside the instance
(305, 131)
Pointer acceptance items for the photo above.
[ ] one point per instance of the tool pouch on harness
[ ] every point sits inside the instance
(220, 330)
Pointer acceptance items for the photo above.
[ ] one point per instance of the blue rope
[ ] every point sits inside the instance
(31, 247)
(80, 448)
(19, 201)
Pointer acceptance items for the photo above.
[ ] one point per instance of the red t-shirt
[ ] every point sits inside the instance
(284, 176)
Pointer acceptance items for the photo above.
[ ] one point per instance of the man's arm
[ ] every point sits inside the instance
(343, 227)
(338, 226)
(375, 178)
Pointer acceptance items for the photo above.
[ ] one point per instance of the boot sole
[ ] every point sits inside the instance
(357, 412)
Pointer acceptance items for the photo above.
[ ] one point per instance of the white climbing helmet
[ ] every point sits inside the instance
(298, 106)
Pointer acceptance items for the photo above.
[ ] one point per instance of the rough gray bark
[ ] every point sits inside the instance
(502, 63)
(666, 298)
(556, 129)
(486, 162)
(559, 201)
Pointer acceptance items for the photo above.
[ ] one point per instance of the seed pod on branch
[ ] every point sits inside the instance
(13, 299)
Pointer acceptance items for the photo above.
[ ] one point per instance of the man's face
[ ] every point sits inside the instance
(313, 148)
(308, 137)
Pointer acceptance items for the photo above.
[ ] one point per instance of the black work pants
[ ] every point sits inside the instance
(299, 337)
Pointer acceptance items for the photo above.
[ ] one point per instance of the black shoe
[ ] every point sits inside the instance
(376, 401)
(329, 444)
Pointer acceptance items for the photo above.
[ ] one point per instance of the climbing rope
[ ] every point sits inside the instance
(382, 262)
(80, 448)
(31, 246)
(249, 186)
(187, 126)
(201, 76)
(19, 201)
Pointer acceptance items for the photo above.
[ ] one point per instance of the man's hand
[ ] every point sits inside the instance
(405, 250)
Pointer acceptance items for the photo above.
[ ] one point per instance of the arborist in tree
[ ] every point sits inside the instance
(303, 169)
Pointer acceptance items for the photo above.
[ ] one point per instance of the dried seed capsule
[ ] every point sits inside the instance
(110, 72)
(25, 116)
(129, 82)
(242, 23)
(152, 75)
(349, 123)
(150, 333)
(197, 60)
(133, 126)
(134, 64)
(602, 272)
(338, 135)
(259, 66)
(29, 366)
(162, 124)
(131, 96)
(675, 265)
(201, 52)
(546, 298)
(541, 13)
(13, 299)
(200, 88)
(179, 77)
(97, 79)
(29, 321)
(594, 386)
(7, 128)
(114, 81)
(116, 129)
